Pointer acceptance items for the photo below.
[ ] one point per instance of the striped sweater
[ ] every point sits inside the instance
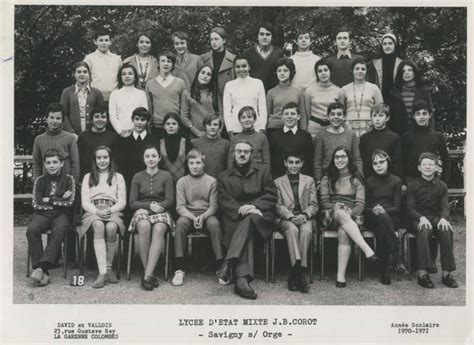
(347, 190)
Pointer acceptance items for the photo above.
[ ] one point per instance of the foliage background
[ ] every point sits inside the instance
(50, 39)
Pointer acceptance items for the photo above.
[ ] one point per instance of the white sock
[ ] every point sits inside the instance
(111, 250)
(99, 248)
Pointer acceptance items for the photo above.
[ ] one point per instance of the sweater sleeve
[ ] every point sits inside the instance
(325, 195)
(74, 152)
(359, 197)
(213, 205)
(186, 111)
(396, 200)
(37, 160)
(318, 158)
(113, 112)
(227, 108)
(280, 208)
(168, 202)
(86, 202)
(397, 158)
(62, 201)
(307, 103)
(181, 200)
(121, 194)
(270, 103)
(262, 114)
(302, 109)
(265, 151)
(65, 106)
(39, 188)
(378, 98)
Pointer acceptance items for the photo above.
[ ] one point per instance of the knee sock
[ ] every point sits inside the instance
(111, 249)
(100, 254)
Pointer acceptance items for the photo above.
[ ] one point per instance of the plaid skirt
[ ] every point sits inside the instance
(153, 218)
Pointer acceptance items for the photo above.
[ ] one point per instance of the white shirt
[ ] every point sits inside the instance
(142, 135)
(294, 129)
(241, 92)
(104, 69)
(122, 103)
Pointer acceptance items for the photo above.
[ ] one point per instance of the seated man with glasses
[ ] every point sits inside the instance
(247, 198)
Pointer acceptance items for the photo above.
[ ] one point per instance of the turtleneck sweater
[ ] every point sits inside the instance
(384, 190)
(62, 141)
(317, 98)
(276, 100)
(423, 139)
(122, 103)
(304, 64)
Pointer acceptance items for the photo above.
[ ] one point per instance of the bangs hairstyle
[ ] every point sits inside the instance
(361, 61)
(290, 153)
(242, 57)
(398, 82)
(384, 155)
(94, 174)
(333, 173)
(173, 116)
(147, 35)
(119, 75)
(83, 64)
(267, 26)
(211, 87)
(421, 104)
(428, 155)
(345, 29)
(323, 62)
(288, 63)
(247, 109)
(181, 35)
(141, 112)
(208, 119)
(150, 147)
(336, 105)
(380, 108)
(54, 107)
(53, 153)
(169, 55)
(193, 153)
(304, 31)
(290, 105)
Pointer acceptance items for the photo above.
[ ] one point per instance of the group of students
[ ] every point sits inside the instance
(295, 127)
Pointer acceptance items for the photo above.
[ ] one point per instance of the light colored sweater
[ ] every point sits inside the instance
(371, 96)
(196, 196)
(277, 98)
(304, 63)
(104, 70)
(122, 103)
(115, 192)
(317, 98)
(242, 92)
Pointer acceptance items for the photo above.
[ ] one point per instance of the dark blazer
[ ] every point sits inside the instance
(255, 188)
(226, 71)
(72, 114)
(399, 118)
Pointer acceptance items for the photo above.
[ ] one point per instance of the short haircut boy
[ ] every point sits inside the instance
(194, 154)
(247, 109)
(290, 105)
(208, 119)
(428, 155)
(422, 105)
(289, 154)
(54, 108)
(53, 153)
(336, 105)
(344, 29)
(141, 112)
(380, 108)
(304, 31)
(180, 35)
(267, 26)
(169, 55)
(102, 32)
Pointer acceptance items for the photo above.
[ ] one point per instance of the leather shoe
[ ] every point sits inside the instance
(303, 285)
(243, 289)
(385, 279)
(449, 281)
(292, 282)
(340, 284)
(425, 281)
(373, 258)
(148, 283)
(223, 273)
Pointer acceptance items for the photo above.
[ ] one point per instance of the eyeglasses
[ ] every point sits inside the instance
(339, 157)
(382, 161)
(245, 152)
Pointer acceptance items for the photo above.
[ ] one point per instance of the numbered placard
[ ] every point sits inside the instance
(76, 280)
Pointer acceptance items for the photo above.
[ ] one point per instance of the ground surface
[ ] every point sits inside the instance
(202, 288)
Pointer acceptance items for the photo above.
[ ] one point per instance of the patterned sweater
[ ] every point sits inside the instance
(53, 187)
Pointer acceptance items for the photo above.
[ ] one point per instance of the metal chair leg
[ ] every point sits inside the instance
(82, 254)
(267, 258)
(322, 256)
(272, 250)
(129, 257)
(65, 245)
(28, 261)
(360, 264)
(119, 253)
(311, 258)
(167, 254)
(408, 256)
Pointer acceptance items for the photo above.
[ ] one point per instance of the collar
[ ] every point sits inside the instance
(108, 53)
(77, 88)
(349, 54)
(169, 79)
(264, 52)
(142, 134)
(286, 129)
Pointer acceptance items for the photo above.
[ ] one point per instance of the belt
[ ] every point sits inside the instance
(107, 202)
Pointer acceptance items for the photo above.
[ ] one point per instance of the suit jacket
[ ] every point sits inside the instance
(306, 194)
(255, 188)
(226, 71)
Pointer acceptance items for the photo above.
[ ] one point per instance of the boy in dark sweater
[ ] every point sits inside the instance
(380, 138)
(290, 139)
(130, 159)
(53, 198)
(214, 148)
(422, 138)
(428, 212)
(97, 135)
(263, 57)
